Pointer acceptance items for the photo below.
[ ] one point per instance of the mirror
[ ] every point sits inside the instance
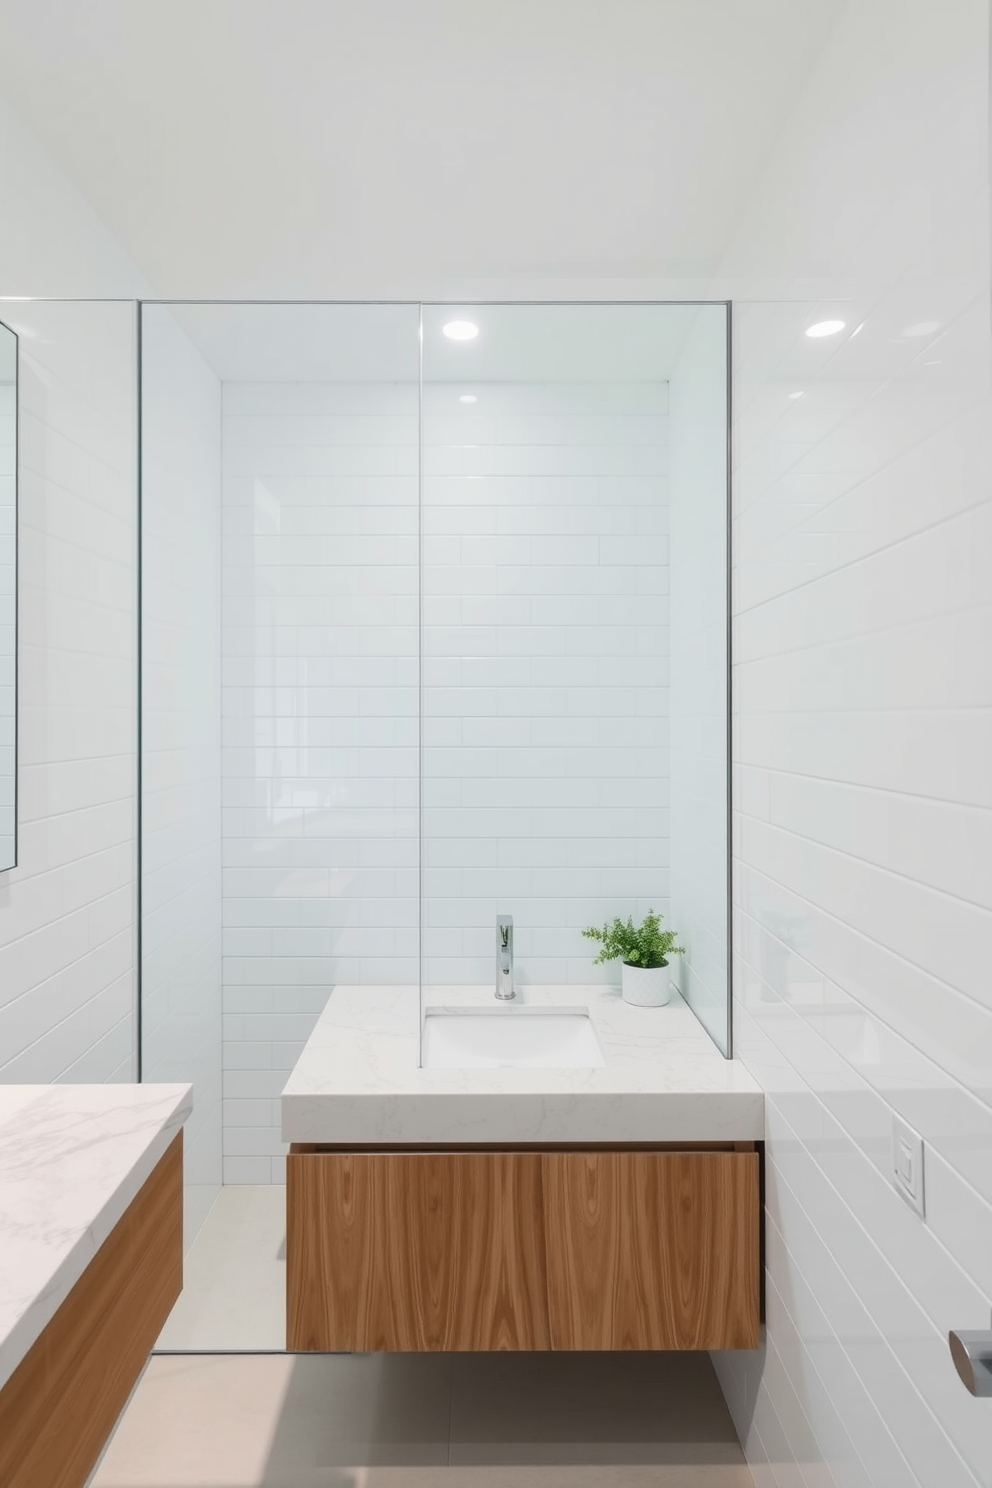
(8, 598)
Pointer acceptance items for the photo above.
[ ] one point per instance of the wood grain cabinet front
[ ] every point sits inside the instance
(61, 1403)
(555, 1249)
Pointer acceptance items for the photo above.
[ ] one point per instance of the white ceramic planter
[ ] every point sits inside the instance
(647, 986)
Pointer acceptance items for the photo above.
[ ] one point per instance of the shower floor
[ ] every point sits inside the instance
(234, 1282)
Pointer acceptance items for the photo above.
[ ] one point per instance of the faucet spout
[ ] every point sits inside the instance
(504, 958)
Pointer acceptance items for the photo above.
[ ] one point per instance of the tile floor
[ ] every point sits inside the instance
(234, 1277)
(254, 1417)
(416, 1421)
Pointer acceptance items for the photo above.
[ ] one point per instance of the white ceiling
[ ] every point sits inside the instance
(286, 148)
(373, 343)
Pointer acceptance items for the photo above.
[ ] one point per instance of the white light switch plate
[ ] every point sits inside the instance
(907, 1164)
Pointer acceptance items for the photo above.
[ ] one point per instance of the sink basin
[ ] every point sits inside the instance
(518, 1038)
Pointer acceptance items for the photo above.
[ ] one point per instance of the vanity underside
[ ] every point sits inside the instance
(523, 1248)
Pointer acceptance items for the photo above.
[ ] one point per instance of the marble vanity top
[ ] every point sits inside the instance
(72, 1157)
(358, 1079)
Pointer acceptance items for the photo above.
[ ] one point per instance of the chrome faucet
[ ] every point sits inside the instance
(504, 958)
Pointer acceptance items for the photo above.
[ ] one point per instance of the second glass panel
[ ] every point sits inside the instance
(546, 635)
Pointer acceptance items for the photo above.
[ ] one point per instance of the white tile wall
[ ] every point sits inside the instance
(699, 848)
(181, 748)
(545, 672)
(320, 719)
(8, 571)
(67, 912)
(863, 900)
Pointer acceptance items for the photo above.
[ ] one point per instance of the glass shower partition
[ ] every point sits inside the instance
(574, 697)
(279, 711)
(433, 677)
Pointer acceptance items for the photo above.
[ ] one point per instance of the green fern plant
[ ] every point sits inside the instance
(645, 944)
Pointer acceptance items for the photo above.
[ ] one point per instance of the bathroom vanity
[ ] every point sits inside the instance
(608, 1205)
(91, 1262)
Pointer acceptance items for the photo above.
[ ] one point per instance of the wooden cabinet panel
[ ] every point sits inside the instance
(652, 1250)
(61, 1403)
(545, 1249)
(418, 1251)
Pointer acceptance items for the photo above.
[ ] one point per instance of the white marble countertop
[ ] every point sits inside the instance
(359, 1080)
(72, 1157)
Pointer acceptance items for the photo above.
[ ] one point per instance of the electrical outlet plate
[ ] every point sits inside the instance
(907, 1164)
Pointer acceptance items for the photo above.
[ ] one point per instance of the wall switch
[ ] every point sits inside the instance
(907, 1164)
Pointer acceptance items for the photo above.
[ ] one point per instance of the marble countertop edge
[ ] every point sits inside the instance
(72, 1158)
(359, 1079)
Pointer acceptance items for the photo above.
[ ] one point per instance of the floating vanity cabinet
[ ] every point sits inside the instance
(60, 1404)
(544, 1248)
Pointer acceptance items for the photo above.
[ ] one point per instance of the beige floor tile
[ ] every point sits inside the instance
(278, 1421)
(591, 1408)
(374, 1421)
(701, 1476)
(234, 1282)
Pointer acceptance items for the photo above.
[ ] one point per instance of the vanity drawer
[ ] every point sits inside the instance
(523, 1249)
(60, 1405)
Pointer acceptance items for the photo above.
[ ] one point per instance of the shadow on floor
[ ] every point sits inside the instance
(425, 1421)
(487, 1411)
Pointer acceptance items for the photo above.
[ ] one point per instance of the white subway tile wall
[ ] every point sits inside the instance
(8, 602)
(67, 931)
(181, 786)
(863, 788)
(321, 725)
(545, 672)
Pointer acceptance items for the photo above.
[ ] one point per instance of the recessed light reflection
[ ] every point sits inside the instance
(922, 328)
(797, 395)
(461, 330)
(467, 398)
(825, 328)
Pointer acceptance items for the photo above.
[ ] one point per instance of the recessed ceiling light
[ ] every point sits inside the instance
(922, 328)
(461, 330)
(825, 328)
(467, 398)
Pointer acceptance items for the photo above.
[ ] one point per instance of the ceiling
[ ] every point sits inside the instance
(288, 148)
(375, 343)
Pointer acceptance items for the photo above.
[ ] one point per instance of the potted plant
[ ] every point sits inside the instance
(644, 950)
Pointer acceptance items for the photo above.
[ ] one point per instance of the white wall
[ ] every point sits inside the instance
(545, 672)
(8, 598)
(545, 697)
(863, 899)
(181, 746)
(699, 865)
(320, 725)
(67, 916)
(67, 911)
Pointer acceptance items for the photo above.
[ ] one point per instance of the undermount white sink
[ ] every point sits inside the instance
(520, 1038)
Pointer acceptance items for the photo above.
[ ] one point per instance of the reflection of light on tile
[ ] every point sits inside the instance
(797, 395)
(268, 513)
(922, 328)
